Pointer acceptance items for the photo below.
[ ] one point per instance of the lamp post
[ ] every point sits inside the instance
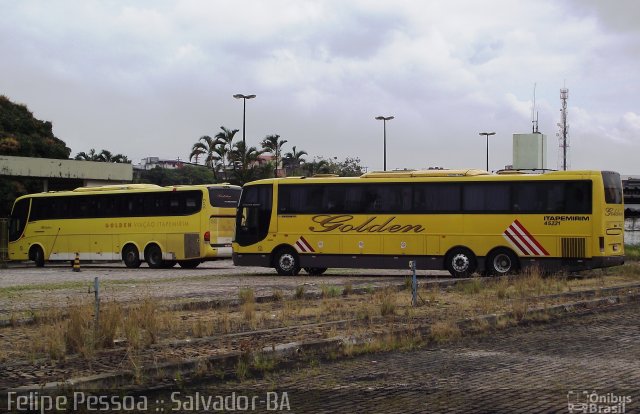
(487, 135)
(244, 113)
(384, 120)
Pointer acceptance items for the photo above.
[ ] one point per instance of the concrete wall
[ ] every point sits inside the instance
(90, 171)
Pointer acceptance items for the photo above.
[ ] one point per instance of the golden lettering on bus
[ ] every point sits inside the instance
(345, 223)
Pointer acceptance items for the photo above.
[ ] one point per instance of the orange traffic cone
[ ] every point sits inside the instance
(76, 263)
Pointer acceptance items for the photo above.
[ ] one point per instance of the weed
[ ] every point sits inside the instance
(329, 291)
(263, 363)
(242, 369)
(277, 295)
(348, 289)
(471, 287)
(444, 331)
(387, 302)
(519, 309)
(299, 292)
(110, 319)
(246, 295)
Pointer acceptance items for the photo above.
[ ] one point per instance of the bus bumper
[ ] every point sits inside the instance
(258, 260)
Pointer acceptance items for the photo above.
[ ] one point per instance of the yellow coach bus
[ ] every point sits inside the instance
(459, 220)
(132, 222)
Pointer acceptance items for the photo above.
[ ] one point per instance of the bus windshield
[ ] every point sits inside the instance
(18, 219)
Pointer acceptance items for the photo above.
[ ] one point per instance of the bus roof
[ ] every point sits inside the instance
(436, 175)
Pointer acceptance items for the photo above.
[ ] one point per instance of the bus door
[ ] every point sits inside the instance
(224, 201)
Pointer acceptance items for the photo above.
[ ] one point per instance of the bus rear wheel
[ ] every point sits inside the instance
(287, 262)
(153, 256)
(131, 257)
(315, 271)
(502, 262)
(37, 255)
(460, 262)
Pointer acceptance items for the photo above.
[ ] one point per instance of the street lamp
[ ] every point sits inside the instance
(384, 120)
(487, 135)
(244, 113)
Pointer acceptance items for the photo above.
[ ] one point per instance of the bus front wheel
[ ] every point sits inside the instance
(153, 256)
(502, 262)
(131, 257)
(287, 262)
(37, 255)
(461, 262)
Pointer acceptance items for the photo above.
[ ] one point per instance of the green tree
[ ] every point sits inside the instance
(209, 147)
(189, 174)
(103, 156)
(22, 135)
(251, 157)
(273, 144)
(294, 160)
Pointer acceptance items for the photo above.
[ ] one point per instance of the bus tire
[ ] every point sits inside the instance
(502, 262)
(315, 271)
(37, 255)
(460, 262)
(189, 264)
(130, 256)
(286, 262)
(153, 256)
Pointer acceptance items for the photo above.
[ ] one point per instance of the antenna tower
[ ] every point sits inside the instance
(534, 113)
(563, 133)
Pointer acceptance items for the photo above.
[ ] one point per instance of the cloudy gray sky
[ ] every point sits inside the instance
(148, 78)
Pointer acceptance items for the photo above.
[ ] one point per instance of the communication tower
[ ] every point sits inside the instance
(563, 133)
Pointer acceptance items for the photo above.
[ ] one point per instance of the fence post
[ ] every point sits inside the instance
(414, 284)
(96, 289)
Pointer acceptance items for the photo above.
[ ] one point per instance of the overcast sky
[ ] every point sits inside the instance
(148, 78)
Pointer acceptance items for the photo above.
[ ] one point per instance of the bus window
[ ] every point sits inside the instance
(18, 219)
(224, 197)
(486, 197)
(612, 187)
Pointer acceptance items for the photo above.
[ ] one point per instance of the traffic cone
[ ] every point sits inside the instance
(76, 263)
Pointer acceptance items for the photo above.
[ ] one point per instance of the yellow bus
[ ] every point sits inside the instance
(462, 221)
(133, 222)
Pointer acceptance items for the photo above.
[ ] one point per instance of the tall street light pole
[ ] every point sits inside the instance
(487, 135)
(244, 114)
(384, 120)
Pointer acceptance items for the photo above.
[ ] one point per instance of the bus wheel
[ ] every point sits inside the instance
(461, 262)
(37, 255)
(130, 256)
(315, 271)
(188, 264)
(153, 256)
(502, 262)
(287, 262)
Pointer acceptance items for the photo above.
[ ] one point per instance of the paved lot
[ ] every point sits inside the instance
(588, 359)
(24, 286)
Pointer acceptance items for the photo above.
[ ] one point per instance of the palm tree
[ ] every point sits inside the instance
(103, 156)
(207, 146)
(273, 144)
(226, 138)
(250, 156)
(87, 156)
(295, 158)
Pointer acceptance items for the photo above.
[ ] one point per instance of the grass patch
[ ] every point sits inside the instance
(632, 252)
